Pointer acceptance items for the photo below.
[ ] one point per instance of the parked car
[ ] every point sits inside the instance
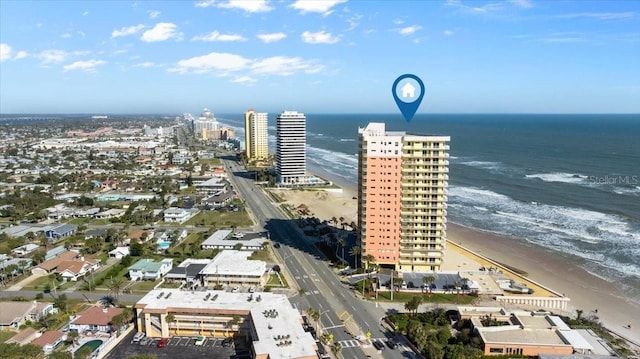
(199, 340)
(162, 343)
(392, 344)
(235, 289)
(138, 337)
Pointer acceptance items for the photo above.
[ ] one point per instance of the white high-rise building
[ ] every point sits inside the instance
(291, 147)
(256, 135)
(205, 124)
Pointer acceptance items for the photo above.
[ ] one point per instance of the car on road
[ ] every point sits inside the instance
(276, 245)
(276, 268)
(162, 343)
(378, 345)
(391, 343)
(235, 289)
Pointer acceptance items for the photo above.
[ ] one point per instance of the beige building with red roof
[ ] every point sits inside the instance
(50, 340)
(94, 319)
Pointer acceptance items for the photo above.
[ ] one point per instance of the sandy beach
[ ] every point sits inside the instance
(561, 273)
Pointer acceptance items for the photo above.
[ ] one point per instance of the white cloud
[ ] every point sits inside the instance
(226, 64)
(273, 37)
(127, 30)
(448, 32)
(66, 35)
(320, 37)
(85, 13)
(154, 13)
(398, 21)
(145, 64)
(409, 30)
(161, 32)
(283, 66)
(244, 80)
(21, 55)
(5, 52)
(216, 36)
(600, 15)
(250, 6)
(484, 9)
(522, 3)
(87, 66)
(52, 56)
(563, 40)
(223, 62)
(354, 21)
(317, 6)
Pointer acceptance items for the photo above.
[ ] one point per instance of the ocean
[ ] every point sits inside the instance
(570, 183)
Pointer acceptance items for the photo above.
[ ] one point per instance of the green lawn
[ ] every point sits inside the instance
(385, 296)
(209, 161)
(40, 283)
(143, 286)
(220, 219)
(262, 255)
(274, 282)
(6, 335)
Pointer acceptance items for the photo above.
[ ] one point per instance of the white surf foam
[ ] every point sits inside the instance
(561, 177)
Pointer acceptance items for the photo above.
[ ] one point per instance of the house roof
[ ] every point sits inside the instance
(122, 250)
(96, 316)
(48, 337)
(13, 310)
(23, 335)
(64, 228)
(74, 267)
(95, 233)
(53, 263)
(148, 265)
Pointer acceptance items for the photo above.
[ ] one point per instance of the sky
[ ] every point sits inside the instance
(333, 56)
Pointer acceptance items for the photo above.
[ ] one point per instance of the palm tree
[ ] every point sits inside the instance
(115, 286)
(368, 259)
(107, 301)
(315, 315)
(342, 244)
(412, 305)
(428, 280)
(171, 318)
(355, 252)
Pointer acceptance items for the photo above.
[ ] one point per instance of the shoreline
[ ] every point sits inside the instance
(560, 272)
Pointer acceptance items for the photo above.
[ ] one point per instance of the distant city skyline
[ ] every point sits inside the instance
(334, 56)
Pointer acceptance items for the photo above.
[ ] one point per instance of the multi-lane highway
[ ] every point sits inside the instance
(342, 314)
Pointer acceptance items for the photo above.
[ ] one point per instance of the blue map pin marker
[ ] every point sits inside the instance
(406, 98)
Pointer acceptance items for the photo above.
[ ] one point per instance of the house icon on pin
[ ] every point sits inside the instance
(408, 90)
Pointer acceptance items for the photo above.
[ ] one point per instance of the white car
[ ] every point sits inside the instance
(235, 289)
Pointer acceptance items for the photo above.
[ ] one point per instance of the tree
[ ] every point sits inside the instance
(115, 286)
(83, 353)
(412, 305)
(355, 251)
(39, 255)
(61, 302)
(171, 318)
(136, 249)
(315, 315)
(72, 336)
(60, 354)
(342, 244)
(367, 259)
(336, 348)
(428, 281)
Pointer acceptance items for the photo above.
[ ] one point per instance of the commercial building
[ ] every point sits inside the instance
(402, 202)
(266, 320)
(256, 135)
(226, 239)
(234, 268)
(291, 141)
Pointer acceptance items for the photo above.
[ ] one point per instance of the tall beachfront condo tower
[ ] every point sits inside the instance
(291, 165)
(206, 126)
(402, 198)
(256, 135)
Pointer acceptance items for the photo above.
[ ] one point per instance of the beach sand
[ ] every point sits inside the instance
(559, 272)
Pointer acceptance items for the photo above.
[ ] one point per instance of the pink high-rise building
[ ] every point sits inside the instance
(402, 198)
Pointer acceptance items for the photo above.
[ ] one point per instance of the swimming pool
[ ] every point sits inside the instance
(163, 245)
(92, 344)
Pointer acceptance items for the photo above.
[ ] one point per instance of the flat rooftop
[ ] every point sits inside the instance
(231, 262)
(520, 336)
(272, 316)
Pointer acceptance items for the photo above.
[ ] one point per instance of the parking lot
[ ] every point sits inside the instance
(177, 348)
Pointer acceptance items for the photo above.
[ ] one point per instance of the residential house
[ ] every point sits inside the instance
(61, 231)
(213, 185)
(21, 265)
(111, 213)
(95, 233)
(24, 250)
(178, 215)
(149, 269)
(218, 200)
(74, 269)
(54, 252)
(14, 314)
(50, 340)
(119, 252)
(24, 337)
(94, 319)
(48, 267)
(226, 239)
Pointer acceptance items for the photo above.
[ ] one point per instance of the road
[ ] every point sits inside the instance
(322, 289)
(71, 295)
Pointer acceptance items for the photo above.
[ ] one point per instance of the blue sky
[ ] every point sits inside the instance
(520, 56)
